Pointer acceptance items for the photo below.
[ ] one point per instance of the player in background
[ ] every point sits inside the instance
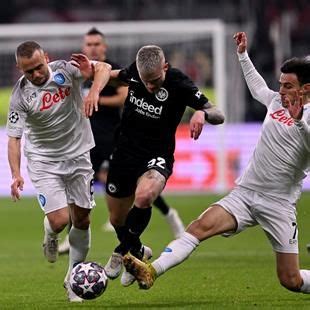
(46, 106)
(267, 192)
(142, 160)
(104, 124)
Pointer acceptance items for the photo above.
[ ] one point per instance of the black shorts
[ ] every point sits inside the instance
(126, 167)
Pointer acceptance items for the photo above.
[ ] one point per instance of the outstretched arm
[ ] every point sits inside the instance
(256, 84)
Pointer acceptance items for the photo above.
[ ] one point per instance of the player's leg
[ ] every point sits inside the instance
(118, 209)
(54, 223)
(64, 246)
(228, 216)
(149, 186)
(215, 220)
(79, 185)
(277, 217)
(52, 199)
(171, 215)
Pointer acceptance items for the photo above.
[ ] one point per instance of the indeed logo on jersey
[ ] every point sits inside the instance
(49, 99)
(280, 116)
(145, 108)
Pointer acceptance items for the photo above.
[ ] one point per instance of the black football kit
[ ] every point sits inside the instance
(148, 126)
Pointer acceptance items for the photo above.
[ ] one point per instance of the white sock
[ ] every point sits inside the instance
(79, 245)
(305, 274)
(175, 253)
(48, 229)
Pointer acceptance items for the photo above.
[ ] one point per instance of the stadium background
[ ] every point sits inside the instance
(277, 30)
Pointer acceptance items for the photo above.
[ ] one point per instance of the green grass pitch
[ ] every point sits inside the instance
(233, 273)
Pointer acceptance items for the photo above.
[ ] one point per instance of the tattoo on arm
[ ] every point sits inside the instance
(213, 116)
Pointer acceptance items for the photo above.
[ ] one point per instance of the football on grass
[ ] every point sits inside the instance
(88, 280)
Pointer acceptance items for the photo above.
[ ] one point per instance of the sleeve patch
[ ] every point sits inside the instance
(13, 117)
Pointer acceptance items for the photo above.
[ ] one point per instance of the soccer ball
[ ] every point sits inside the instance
(88, 280)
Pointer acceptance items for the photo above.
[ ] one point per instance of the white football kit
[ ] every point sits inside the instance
(268, 189)
(57, 137)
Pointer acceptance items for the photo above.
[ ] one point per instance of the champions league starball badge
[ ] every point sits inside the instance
(13, 117)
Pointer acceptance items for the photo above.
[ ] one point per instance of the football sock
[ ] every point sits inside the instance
(175, 253)
(79, 245)
(120, 232)
(47, 228)
(161, 205)
(305, 274)
(136, 222)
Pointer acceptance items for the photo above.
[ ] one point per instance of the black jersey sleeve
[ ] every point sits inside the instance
(191, 94)
(126, 74)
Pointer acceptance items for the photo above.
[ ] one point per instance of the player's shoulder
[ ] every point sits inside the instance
(176, 77)
(113, 64)
(58, 64)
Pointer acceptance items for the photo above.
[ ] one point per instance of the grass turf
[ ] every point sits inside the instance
(233, 273)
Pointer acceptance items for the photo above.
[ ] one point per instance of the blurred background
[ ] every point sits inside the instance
(196, 36)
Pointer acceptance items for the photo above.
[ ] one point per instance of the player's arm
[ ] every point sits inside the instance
(14, 155)
(101, 78)
(299, 110)
(255, 82)
(116, 100)
(208, 113)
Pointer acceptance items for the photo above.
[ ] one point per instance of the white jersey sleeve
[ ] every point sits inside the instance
(256, 84)
(17, 113)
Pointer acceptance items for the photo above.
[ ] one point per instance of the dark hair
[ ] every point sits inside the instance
(27, 48)
(94, 31)
(300, 66)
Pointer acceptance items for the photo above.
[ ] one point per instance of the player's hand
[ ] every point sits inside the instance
(295, 105)
(196, 124)
(16, 187)
(84, 64)
(241, 41)
(90, 103)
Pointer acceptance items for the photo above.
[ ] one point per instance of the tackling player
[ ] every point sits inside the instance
(268, 190)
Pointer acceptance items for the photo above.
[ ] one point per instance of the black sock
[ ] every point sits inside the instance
(120, 232)
(136, 222)
(161, 204)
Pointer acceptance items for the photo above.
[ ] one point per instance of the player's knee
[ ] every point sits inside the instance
(143, 199)
(200, 229)
(291, 281)
(81, 221)
(59, 223)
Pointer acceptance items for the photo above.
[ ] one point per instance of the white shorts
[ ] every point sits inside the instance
(276, 216)
(59, 183)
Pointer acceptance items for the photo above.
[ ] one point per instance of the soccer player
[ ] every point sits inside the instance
(143, 158)
(267, 191)
(46, 105)
(104, 124)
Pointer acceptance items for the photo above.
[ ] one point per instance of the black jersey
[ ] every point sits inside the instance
(149, 121)
(105, 121)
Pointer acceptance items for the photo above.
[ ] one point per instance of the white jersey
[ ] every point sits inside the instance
(281, 157)
(50, 115)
